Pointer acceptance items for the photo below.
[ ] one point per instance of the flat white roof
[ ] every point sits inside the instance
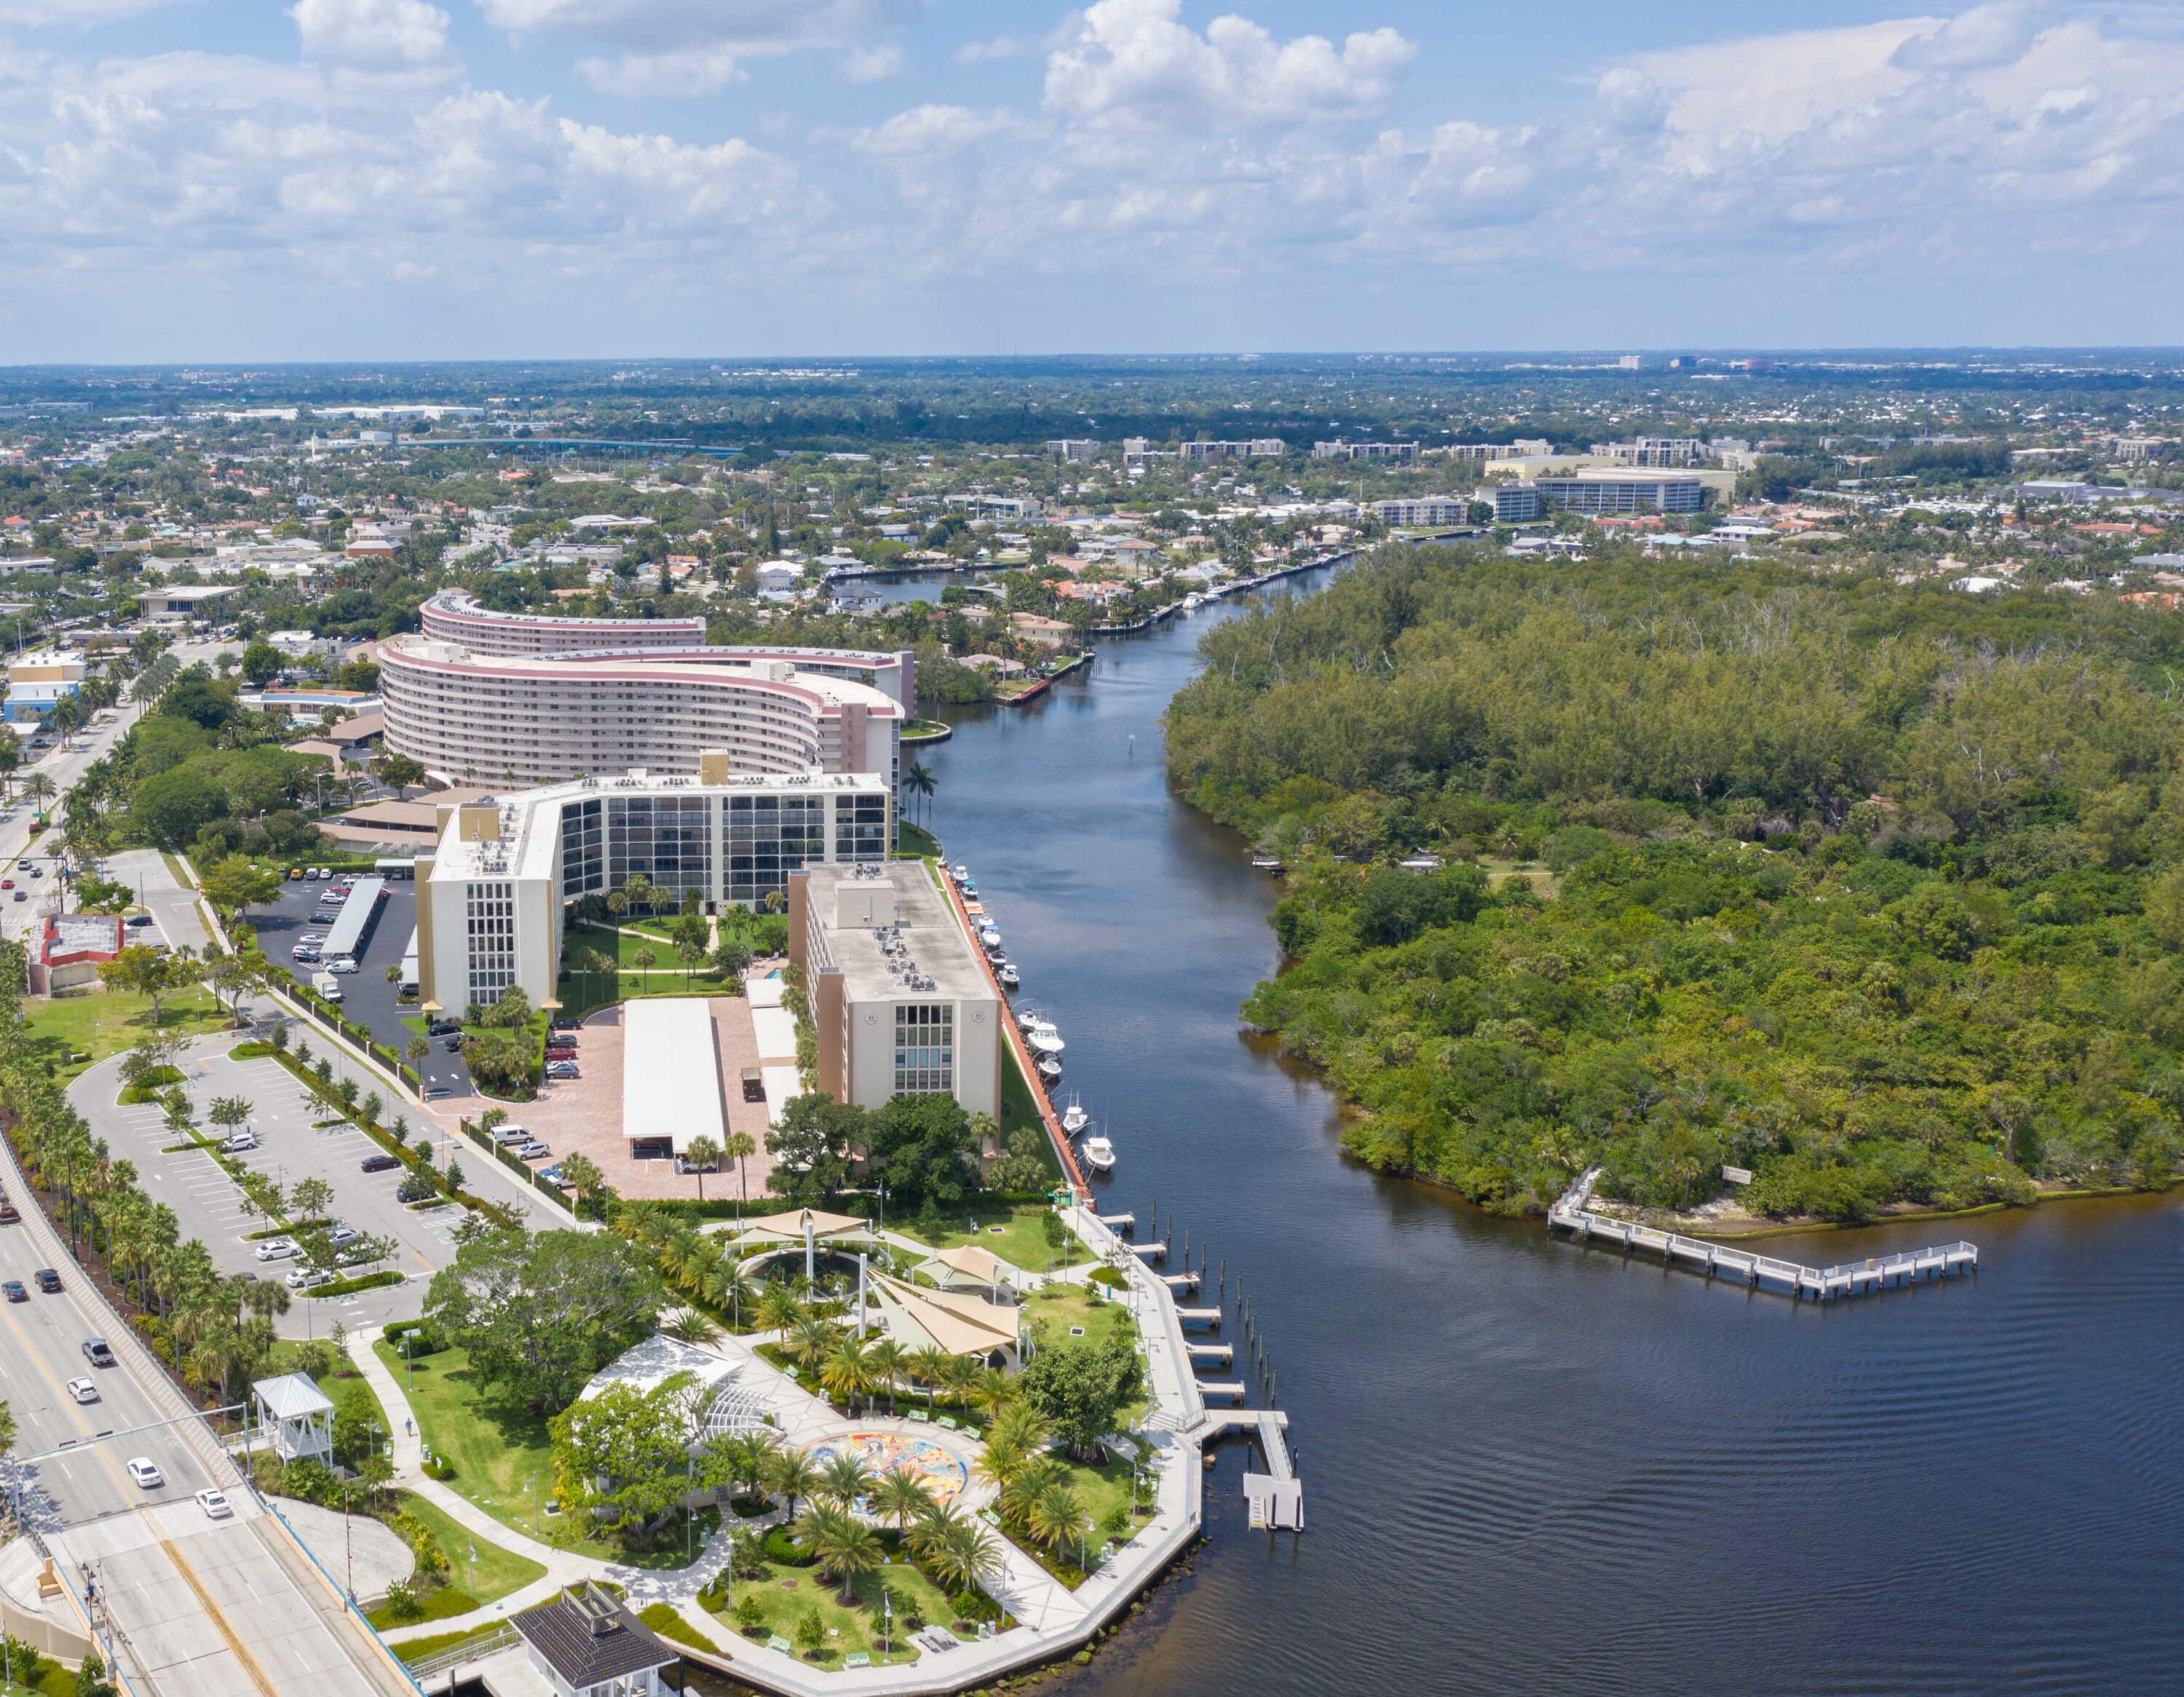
(670, 1072)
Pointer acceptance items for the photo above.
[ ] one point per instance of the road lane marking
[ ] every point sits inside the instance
(218, 1620)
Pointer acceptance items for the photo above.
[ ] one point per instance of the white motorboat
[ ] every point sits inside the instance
(1029, 1017)
(1099, 1154)
(1074, 1118)
(1042, 1036)
(991, 936)
(960, 872)
(1006, 973)
(1050, 1067)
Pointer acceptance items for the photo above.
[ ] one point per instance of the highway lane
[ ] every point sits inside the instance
(199, 1607)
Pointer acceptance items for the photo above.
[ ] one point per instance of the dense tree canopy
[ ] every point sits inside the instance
(1876, 893)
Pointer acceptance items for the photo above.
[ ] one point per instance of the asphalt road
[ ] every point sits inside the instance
(201, 1608)
(367, 997)
(64, 766)
(209, 1206)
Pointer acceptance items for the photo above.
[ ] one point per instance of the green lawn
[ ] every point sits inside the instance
(666, 1619)
(625, 947)
(502, 1455)
(103, 1022)
(915, 842)
(471, 1584)
(1053, 1310)
(1020, 1112)
(1021, 1241)
(790, 1593)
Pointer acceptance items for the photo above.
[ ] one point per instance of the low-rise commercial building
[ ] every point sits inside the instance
(671, 1075)
(493, 894)
(902, 1004)
(39, 682)
(179, 603)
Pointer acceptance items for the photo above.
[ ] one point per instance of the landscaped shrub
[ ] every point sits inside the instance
(784, 1551)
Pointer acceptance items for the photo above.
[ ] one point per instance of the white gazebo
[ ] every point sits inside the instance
(298, 1415)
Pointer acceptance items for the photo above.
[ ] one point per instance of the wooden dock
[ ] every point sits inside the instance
(1151, 1252)
(1221, 1354)
(1183, 1281)
(1574, 1214)
(1200, 1317)
(1219, 1390)
(1122, 1225)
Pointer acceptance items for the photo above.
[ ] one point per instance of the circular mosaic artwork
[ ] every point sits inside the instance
(941, 1473)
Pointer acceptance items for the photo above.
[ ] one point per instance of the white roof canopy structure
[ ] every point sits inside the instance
(672, 1073)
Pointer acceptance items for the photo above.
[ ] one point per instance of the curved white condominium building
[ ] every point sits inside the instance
(527, 700)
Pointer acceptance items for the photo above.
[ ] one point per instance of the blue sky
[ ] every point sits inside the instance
(237, 180)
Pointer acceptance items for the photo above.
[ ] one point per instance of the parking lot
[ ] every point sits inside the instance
(367, 996)
(293, 1143)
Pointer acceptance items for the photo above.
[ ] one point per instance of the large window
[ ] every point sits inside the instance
(924, 1049)
(667, 839)
(583, 854)
(861, 823)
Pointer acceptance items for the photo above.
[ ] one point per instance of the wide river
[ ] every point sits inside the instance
(1534, 1467)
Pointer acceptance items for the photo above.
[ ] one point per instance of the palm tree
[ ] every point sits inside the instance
(888, 1360)
(844, 1479)
(748, 1455)
(790, 1475)
(809, 1341)
(778, 1310)
(39, 789)
(963, 1372)
(1001, 1462)
(725, 1287)
(994, 1390)
(956, 1550)
(1020, 1426)
(644, 961)
(689, 955)
(739, 1145)
(847, 1373)
(689, 1326)
(900, 1497)
(1022, 1488)
(849, 1550)
(1057, 1515)
(918, 780)
(705, 1151)
(933, 1364)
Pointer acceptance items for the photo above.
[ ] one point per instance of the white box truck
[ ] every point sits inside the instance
(326, 985)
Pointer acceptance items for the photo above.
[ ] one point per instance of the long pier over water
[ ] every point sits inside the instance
(1574, 1213)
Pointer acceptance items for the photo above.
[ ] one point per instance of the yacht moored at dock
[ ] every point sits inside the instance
(1099, 1154)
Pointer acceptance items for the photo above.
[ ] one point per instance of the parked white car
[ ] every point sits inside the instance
(277, 1250)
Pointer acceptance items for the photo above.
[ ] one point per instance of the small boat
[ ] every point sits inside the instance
(1007, 975)
(1044, 1037)
(970, 888)
(1270, 864)
(960, 872)
(1029, 1017)
(1074, 1118)
(991, 936)
(1099, 1154)
(1050, 1067)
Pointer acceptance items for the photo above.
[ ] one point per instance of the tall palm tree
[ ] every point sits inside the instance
(725, 1287)
(1020, 1426)
(917, 778)
(1057, 1517)
(739, 1145)
(994, 1390)
(957, 1551)
(844, 1479)
(888, 1360)
(847, 1372)
(778, 1310)
(809, 1341)
(849, 1550)
(900, 1497)
(790, 1475)
(932, 1364)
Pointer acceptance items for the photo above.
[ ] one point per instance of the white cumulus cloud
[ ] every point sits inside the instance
(372, 35)
(1136, 59)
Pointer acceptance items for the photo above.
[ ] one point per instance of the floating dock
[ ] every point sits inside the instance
(1574, 1214)
(1121, 1224)
(1221, 1354)
(1151, 1252)
(1200, 1317)
(1180, 1281)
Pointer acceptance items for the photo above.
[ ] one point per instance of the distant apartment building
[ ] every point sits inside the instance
(1488, 452)
(1422, 509)
(1598, 490)
(1652, 450)
(2137, 446)
(1259, 448)
(1518, 503)
(1395, 452)
(1070, 449)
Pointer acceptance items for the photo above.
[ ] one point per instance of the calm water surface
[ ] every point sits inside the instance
(1532, 1467)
